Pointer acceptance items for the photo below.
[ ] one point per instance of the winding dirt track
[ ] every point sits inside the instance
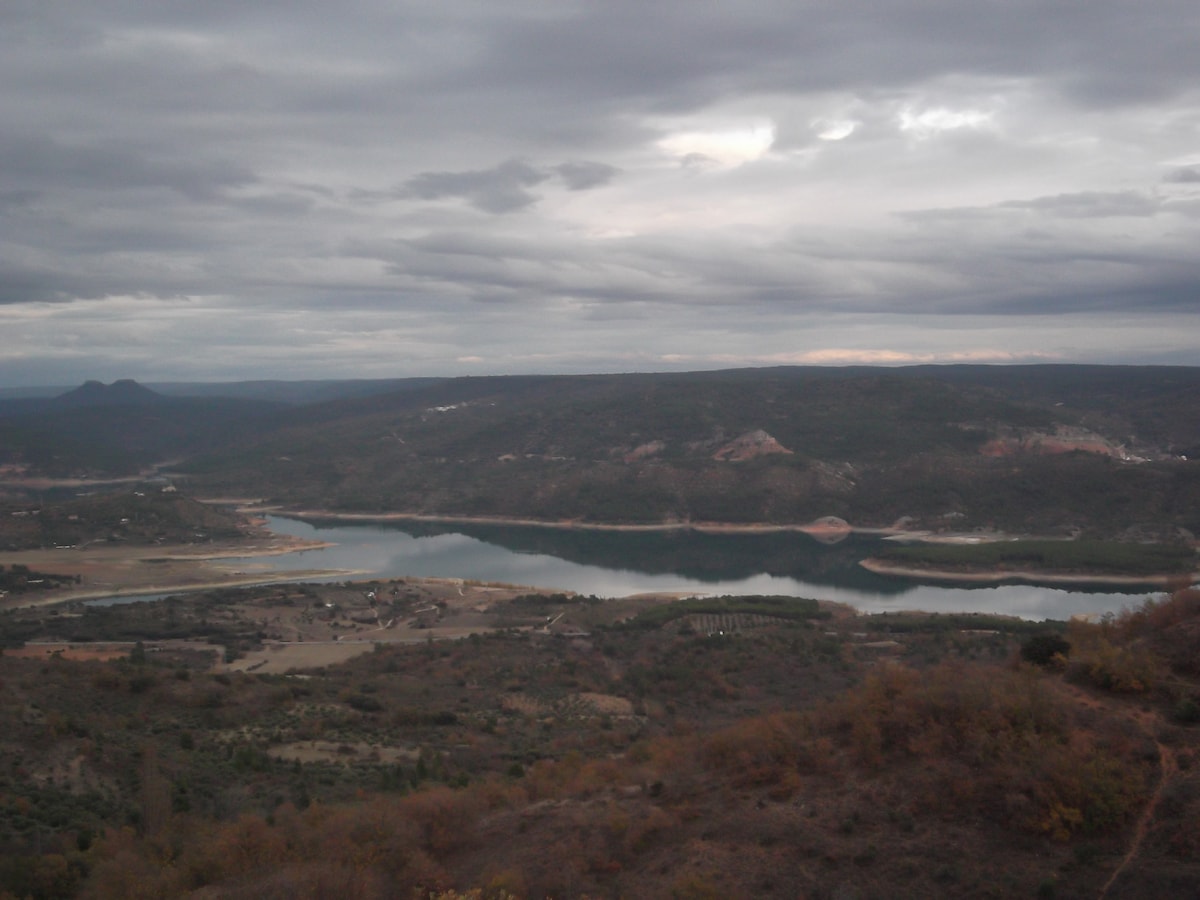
(1168, 766)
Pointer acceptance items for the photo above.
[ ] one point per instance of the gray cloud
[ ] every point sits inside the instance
(1091, 204)
(1185, 175)
(501, 189)
(629, 183)
(44, 161)
(505, 187)
(583, 176)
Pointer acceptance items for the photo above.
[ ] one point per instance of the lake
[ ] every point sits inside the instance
(615, 564)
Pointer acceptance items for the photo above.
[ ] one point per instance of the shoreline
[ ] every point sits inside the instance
(821, 531)
(115, 570)
(819, 528)
(189, 587)
(811, 528)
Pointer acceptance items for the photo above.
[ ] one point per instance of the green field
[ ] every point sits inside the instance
(1058, 557)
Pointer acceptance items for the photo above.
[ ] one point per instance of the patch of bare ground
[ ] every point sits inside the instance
(73, 652)
(280, 658)
(607, 704)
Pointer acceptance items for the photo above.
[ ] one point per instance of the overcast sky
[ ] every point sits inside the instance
(226, 190)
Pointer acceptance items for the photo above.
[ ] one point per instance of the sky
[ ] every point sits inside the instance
(222, 191)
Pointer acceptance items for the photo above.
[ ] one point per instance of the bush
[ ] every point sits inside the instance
(1187, 711)
(1122, 670)
(1041, 649)
(364, 703)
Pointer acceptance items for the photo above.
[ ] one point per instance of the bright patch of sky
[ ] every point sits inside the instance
(929, 122)
(834, 129)
(720, 146)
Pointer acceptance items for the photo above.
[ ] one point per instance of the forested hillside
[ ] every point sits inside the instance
(1103, 451)
(943, 448)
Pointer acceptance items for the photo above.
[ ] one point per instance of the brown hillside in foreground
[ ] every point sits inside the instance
(783, 758)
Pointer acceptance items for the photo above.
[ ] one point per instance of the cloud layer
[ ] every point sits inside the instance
(215, 191)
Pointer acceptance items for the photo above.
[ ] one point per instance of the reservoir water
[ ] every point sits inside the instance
(614, 564)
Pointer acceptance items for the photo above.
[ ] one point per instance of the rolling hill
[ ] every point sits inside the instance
(1056, 449)
(1045, 449)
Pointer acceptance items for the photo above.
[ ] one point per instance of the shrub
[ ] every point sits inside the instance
(1006, 728)
(1041, 649)
(1123, 670)
(364, 703)
(1187, 711)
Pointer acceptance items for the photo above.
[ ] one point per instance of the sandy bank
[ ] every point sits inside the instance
(813, 528)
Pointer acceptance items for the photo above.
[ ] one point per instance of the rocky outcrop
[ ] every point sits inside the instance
(644, 451)
(1063, 440)
(748, 446)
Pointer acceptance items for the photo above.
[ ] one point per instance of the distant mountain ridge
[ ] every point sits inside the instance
(293, 393)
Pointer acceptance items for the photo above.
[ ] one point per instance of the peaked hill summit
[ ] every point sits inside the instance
(124, 392)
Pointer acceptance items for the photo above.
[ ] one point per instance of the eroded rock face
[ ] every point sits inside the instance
(748, 446)
(1062, 440)
(829, 529)
(645, 451)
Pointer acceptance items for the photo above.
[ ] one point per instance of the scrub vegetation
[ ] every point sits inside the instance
(934, 448)
(796, 750)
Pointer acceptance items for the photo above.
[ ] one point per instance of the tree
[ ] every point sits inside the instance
(1041, 649)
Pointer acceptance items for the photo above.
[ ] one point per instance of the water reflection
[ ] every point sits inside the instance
(614, 564)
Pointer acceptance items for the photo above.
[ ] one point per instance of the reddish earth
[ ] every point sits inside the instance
(69, 651)
(1042, 444)
(645, 451)
(750, 445)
